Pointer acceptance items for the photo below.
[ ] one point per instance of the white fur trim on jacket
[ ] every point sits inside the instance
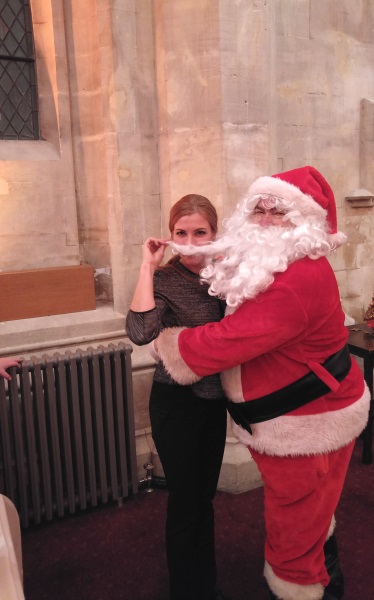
(284, 590)
(293, 435)
(275, 186)
(168, 351)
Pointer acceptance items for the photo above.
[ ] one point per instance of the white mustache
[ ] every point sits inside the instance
(228, 240)
(209, 249)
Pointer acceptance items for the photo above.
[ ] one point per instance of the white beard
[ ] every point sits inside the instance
(245, 259)
(247, 266)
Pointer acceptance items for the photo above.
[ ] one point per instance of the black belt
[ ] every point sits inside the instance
(292, 396)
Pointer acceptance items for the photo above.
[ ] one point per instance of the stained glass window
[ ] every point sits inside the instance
(18, 91)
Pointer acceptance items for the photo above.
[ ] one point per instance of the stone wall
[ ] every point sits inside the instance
(143, 101)
(323, 76)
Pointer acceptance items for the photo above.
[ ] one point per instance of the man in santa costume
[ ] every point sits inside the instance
(297, 398)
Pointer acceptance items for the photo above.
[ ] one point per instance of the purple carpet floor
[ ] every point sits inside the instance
(117, 553)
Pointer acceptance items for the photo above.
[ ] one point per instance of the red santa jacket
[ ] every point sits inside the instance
(269, 342)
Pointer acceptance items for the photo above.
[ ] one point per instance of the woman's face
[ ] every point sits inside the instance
(192, 230)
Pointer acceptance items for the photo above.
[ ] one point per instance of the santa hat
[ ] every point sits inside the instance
(307, 190)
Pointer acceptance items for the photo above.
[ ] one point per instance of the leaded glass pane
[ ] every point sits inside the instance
(18, 92)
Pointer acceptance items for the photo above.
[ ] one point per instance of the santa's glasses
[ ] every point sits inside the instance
(268, 206)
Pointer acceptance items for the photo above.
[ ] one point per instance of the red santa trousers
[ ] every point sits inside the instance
(301, 494)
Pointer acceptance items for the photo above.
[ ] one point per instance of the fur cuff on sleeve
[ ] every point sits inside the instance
(168, 351)
(152, 351)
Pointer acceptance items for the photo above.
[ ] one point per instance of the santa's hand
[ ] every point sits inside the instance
(5, 363)
(152, 347)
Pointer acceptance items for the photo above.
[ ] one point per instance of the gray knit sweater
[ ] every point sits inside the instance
(181, 301)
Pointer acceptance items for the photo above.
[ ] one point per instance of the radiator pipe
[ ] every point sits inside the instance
(148, 477)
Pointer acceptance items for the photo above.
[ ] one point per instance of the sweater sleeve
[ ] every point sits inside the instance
(142, 327)
(255, 328)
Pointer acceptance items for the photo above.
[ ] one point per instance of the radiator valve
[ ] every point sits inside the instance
(148, 478)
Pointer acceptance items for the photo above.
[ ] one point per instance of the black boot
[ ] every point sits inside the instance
(335, 588)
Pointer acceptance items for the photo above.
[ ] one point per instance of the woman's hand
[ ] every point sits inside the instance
(153, 251)
(5, 363)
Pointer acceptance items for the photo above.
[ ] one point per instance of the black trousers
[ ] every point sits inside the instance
(189, 434)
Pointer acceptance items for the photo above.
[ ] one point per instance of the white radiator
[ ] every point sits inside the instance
(67, 432)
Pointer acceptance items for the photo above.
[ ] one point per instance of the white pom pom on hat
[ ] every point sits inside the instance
(307, 189)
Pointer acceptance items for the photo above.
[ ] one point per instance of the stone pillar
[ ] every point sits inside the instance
(216, 121)
(214, 102)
